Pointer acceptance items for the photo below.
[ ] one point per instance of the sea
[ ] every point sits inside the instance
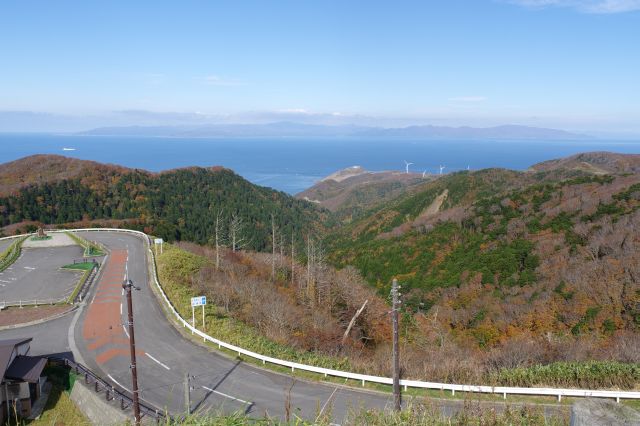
(293, 165)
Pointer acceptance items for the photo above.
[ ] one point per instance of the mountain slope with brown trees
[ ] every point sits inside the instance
(546, 259)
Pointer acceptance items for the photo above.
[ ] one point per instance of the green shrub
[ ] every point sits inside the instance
(591, 374)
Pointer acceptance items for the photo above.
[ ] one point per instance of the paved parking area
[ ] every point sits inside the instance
(37, 274)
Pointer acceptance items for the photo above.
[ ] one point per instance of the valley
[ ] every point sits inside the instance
(516, 278)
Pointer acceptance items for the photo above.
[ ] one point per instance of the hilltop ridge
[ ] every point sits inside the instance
(178, 204)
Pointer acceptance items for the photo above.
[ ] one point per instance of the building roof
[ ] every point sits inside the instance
(26, 368)
(6, 350)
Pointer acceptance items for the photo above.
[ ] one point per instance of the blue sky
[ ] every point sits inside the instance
(569, 64)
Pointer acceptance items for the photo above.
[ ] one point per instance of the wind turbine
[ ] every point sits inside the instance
(407, 164)
(442, 168)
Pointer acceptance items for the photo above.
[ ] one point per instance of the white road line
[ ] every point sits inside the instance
(125, 330)
(3, 281)
(226, 396)
(117, 383)
(149, 355)
(29, 267)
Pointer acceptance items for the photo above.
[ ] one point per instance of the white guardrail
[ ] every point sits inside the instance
(34, 302)
(363, 378)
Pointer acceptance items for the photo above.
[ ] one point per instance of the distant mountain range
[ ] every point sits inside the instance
(299, 130)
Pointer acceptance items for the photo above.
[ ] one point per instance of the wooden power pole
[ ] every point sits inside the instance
(397, 401)
(127, 285)
(187, 393)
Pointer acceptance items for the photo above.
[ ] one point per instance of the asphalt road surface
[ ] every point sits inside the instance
(4, 244)
(165, 357)
(36, 274)
(48, 338)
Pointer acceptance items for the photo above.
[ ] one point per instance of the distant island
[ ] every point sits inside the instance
(299, 130)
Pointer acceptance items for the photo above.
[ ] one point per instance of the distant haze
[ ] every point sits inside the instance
(298, 130)
(290, 124)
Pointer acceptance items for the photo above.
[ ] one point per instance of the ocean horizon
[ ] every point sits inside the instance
(293, 165)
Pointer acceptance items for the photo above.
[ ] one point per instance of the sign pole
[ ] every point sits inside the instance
(197, 301)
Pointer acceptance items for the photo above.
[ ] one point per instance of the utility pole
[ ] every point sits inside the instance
(397, 401)
(127, 285)
(187, 393)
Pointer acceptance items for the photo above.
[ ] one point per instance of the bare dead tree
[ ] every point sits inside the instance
(218, 238)
(273, 248)
(309, 292)
(293, 259)
(236, 233)
(281, 249)
(321, 278)
(352, 322)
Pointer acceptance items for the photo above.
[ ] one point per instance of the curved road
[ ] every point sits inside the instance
(164, 356)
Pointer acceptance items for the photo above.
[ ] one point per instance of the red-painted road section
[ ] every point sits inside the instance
(103, 332)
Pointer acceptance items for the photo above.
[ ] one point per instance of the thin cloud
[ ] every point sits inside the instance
(216, 80)
(295, 111)
(468, 99)
(585, 6)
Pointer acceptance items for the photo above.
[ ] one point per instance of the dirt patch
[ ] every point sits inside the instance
(56, 240)
(434, 207)
(15, 316)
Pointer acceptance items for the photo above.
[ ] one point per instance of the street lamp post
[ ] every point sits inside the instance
(127, 286)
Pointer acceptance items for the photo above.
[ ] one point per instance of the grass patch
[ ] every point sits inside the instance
(37, 238)
(590, 375)
(11, 254)
(83, 279)
(80, 266)
(90, 249)
(416, 414)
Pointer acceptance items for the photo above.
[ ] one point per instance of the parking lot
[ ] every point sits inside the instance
(36, 275)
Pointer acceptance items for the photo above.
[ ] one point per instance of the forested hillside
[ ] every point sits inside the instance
(494, 255)
(176, 205)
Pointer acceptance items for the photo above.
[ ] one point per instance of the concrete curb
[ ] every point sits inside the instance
(40, 321)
